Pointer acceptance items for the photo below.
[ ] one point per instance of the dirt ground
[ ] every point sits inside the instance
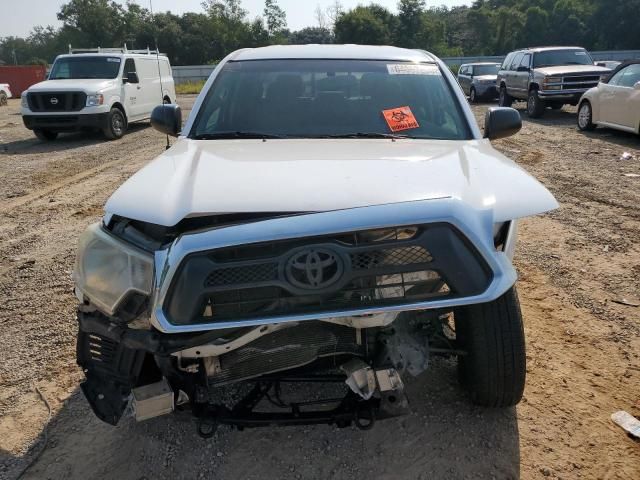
(583, 348)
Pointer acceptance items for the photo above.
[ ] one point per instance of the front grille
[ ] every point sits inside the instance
(582, 82)
(56, 101)
(347, 271)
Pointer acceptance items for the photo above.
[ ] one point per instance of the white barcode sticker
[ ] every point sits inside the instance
(412, 69)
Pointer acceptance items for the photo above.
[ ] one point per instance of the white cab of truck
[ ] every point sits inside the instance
(101, 89)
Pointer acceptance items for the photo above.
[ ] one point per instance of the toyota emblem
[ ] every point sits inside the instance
(53, 100)
(314, 268)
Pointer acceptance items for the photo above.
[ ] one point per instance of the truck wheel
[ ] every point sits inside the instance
(45, 135)
(473, 95)
(116, 124)
(493, 370)
(585, 117)
(535, 106)
(3, 98)
(506, 100)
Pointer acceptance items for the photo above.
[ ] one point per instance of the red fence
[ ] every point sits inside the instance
(21, 77)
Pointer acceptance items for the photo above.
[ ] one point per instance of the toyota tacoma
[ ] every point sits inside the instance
(329, 218)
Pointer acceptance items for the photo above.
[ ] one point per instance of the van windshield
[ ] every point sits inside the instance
(308, 98)
(552, 58)
(481, 70)
(85, 67)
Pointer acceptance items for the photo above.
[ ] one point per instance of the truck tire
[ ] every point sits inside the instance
(585, 117)
(45, 135)
(493, 370)
(473, 96)
(116, 124)
(505, 100)
(535, 106)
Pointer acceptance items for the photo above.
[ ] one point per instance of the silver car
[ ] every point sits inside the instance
(478, 80)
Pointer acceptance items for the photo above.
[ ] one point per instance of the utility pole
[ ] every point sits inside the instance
(15, 59)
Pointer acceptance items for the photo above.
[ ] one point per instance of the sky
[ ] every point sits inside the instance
(23, 15)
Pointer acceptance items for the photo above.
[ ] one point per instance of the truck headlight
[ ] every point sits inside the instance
(95, 100)
(107, 269)
(23, 100)
(552, 83)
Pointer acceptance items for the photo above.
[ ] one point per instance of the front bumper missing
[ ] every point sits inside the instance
(112, 358)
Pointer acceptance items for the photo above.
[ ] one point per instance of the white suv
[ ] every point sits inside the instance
(103, 89)
(330, 214)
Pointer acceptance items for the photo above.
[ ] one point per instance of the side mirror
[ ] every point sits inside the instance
(500, 122)
(132, 77)
(167, 119)
(523, 69)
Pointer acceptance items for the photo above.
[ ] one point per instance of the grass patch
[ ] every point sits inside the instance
(189, 87)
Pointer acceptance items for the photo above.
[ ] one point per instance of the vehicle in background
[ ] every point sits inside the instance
(610, 64)
(547, 77)
(478, 80)
(615, 102)
(5, 93)
(241, 257)
(98, 89)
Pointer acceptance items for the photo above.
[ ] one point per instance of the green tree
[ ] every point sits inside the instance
(311, 35)
(364, 25)
(275, 17)
(412, 28)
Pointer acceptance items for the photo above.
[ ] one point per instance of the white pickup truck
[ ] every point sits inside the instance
(102, 89)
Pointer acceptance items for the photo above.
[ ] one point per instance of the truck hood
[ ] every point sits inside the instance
(572, 69)
(87, 85)
(200, 177)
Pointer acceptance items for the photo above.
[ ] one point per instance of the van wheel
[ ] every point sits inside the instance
(493, 370)
(535, 106)
(45, 135)
(3, 98)
(116, 124)
(473, 96)
(585, 117)
(506, 100)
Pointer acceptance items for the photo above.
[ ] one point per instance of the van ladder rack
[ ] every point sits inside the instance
(124, 49)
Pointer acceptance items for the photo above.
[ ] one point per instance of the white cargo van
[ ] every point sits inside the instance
(98, 89)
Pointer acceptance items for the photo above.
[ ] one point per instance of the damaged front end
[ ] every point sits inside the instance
(302, 319)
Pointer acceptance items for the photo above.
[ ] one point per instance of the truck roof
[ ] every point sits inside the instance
(350, 52)
(546, 49)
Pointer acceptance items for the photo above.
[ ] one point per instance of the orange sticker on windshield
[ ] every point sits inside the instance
(400, 118)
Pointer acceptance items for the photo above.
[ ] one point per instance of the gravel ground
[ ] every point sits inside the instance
(583, 348)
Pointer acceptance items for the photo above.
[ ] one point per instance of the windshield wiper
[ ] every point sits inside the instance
(364, 135)
(232, 135)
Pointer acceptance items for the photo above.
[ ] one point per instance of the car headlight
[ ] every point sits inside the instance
(95, 100)
(107, 269)
(23, 100)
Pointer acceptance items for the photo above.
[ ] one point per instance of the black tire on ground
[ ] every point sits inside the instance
(493, 370)
(116, 124)
(505, 100)
(45, 135)
(535, 106)
(3, 98)
(585, 117)
(473, 97)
